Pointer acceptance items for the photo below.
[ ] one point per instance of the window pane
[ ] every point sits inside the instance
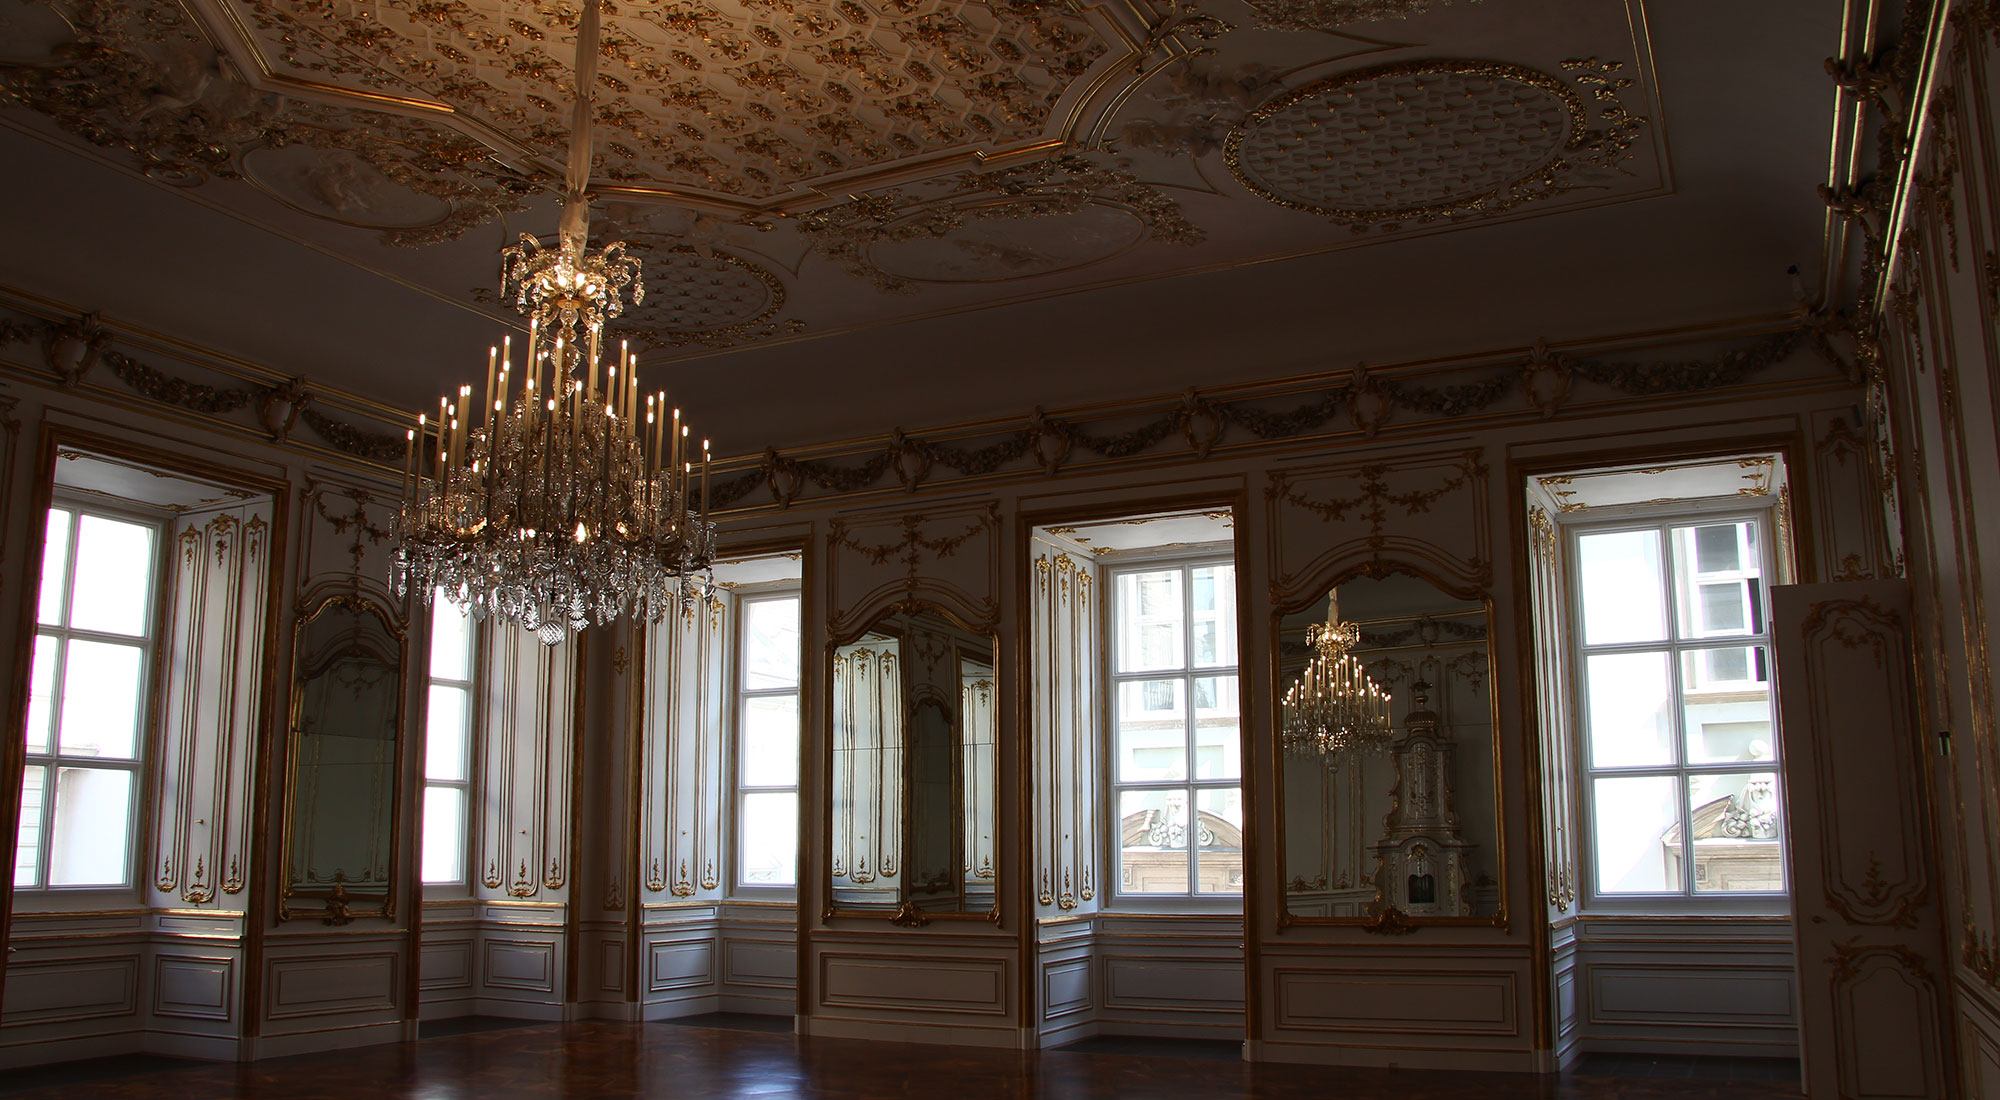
(1153, 842)
(1152, 730)
(100, 700)
(55, 561)
(1727, 700)
(451, 639)
(770, 741)
(1218, 744)
(771, 644)
(1637, 834)
(28, 841)
(114, 576)
(445, 734)
(42, 693)
(1630, 715)
(1219, 837)
(1622, 587)
(1722, 608)
(92, 830)
(1214, 627)
(1149, 625)
(1737, 827)
(1716, 549)
(444, 834)
(769, 835)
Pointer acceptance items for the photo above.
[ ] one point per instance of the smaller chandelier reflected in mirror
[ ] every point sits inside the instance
(562, 496)
(1334, 708)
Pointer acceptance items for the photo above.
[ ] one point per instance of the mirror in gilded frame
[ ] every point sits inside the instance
(913, 769)
(1389, 806)
(343, 757)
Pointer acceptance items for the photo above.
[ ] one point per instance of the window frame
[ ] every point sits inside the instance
(142, 767)
(475, 714)
(1584, 773)
(1186, 560)
(738, 641)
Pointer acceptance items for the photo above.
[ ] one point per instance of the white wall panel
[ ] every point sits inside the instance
(196, 987)
(933, 983)
(326, 984)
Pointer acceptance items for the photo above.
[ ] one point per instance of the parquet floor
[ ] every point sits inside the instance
(595, 1059)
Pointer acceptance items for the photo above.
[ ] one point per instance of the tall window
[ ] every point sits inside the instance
(1177, 777)
(1679, 752)
(767, 741)
(447, 743)
(87, 703)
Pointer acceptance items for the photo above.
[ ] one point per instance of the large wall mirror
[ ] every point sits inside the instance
(913, 775)
(1389, 757)
(343, 757)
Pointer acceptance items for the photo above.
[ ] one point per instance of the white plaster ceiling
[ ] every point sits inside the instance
(1141, 533)
(1752, 477)
(856, 214)
(133, 483)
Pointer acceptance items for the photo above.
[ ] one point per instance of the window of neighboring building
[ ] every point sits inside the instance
(95, 640)
(1679, 750)
(1176, 778)
(448, 725)
(767, 740)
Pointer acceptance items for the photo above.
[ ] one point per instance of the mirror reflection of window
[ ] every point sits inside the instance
(767, 744)
(94, 646)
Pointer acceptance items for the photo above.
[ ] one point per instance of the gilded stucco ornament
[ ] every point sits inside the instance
(1436, 140)
(1192, 112)
(142, 78)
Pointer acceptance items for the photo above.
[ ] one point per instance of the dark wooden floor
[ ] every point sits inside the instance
(603, 1059)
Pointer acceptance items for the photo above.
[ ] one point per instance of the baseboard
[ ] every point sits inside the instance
(1224, 1029)
(674, 1010)
(1064, 1035)
(1009, 1038)
(1686, 1048)
(310, 1042)
(42, 1052)
(1322, 1054)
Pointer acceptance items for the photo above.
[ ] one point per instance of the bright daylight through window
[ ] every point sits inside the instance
(767, 742)
(1177, 746)
(94, 647)
(1680, 751)
(447, 744)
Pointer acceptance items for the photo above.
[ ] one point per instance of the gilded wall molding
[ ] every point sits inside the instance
(949, 554)
(1540, 383)
(1427, 510)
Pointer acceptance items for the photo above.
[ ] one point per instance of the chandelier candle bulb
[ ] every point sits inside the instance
(704, 481)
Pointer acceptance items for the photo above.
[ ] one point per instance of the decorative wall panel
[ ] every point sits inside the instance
(949, 554)
(345, 540)
(1426, 511)
(213, 694)
(527, 753)
(193, 986)
(1865, 905)
(946, 984)
(681, 763)
(1420, 1003)
(1063, 617)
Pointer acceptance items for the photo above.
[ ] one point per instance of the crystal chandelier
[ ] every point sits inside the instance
(563, 495)
(1334, 707)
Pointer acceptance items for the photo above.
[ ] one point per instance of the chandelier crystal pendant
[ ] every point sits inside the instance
(1334, 708)
(562, 496)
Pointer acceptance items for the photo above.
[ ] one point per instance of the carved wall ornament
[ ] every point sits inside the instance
(1545, 378)
(280, 407)
(1434, 140)
(72, 348)
(614, 896)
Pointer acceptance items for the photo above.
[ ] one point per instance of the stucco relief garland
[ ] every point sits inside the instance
(1366, 401)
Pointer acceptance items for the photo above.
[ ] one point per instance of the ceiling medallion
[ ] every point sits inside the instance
(557, 505)
(1423, 141)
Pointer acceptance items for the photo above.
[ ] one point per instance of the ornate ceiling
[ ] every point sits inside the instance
(829, 181)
